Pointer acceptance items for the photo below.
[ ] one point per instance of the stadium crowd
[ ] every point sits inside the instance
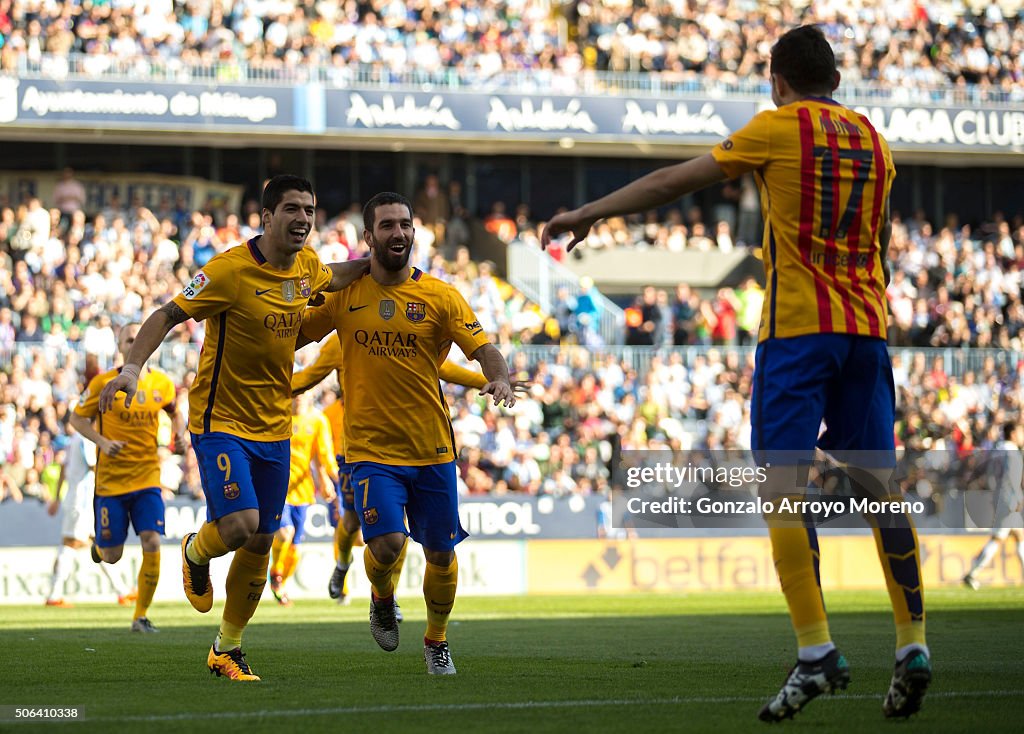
(68, 280)
(919, 49)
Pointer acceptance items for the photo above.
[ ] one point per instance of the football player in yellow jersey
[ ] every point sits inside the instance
(394, 327)
(313, 464)
(346, 527)
(825, 175)
(251, 297)
(128, 470)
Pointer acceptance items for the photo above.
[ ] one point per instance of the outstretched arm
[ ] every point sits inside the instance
(653, 190)
(496, 371)
(151, 335)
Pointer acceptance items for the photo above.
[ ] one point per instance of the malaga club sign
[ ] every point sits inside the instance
(943, 126)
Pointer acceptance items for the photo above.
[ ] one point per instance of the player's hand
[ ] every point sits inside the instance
(574, 222)
(178, 444)
(318, 299)
(501, 391)
(52, 507)
(110, 447)
(329, 496)
(127, 382)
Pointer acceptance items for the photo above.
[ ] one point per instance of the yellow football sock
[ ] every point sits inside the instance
(439, 585)
(378, 574)
(244, 587)
(898, 552)
(277, 555)
(229, 637)
(343, 540)
(396, 572)
(291, 560)
(149, 575)
(795, 550)
(206, 545)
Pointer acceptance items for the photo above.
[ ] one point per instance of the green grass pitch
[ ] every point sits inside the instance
(600, 663)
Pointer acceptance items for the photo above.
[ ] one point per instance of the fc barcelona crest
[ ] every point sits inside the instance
(304, 289)
(416, 312)
(288, 290)
(370, 515)
(387, 309)
(231, 491)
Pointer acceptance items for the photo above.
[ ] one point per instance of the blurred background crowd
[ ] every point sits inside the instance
(69, 279)
(913, 49)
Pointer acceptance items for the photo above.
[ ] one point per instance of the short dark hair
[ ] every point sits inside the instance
(382, 199)
(278, 186)
(804, 58)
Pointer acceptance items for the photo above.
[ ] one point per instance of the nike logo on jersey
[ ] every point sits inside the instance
(260, 293)
(357, 308)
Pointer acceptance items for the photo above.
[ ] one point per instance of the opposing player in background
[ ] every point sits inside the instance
(825, 175)
(251, 297)
(1005, 476)
(347, 526)
(312, 464)
(77, 524)
(128, 469)
(394, 327)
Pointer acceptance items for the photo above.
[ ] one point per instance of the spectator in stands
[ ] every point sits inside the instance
(587, 314)
(498, 223)
(68, 195)
(433, 206)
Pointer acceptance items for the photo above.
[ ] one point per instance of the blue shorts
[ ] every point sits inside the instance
(145, 508)
(344, 488)
(294, 516)
(239, 474)
(428, 495)
(843, 379)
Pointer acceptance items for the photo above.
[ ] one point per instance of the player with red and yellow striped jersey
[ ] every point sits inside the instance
(828, 163)
(825, 175)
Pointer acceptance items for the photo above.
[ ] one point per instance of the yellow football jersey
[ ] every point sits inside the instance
(326, 361)
(330, 359)
(825, 175)
(335, 415)
(137, 465)
(392, 339)
(311, 441)
(252, 312)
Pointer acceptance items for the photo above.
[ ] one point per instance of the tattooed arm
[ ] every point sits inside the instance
(150, 335)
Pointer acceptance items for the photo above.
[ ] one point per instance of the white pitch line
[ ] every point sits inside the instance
(511, 705)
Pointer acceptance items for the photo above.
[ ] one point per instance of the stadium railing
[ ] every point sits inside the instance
(87, 66)
(539, 278)
(178, 358)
